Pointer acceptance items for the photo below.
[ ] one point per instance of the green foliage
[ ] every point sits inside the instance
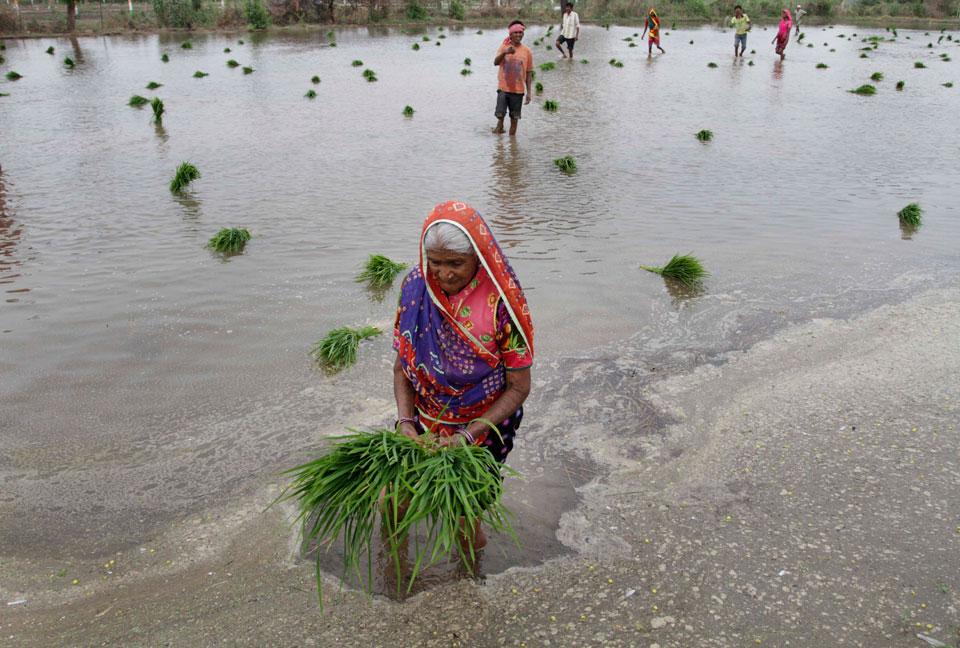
(186, 45)
(948, 84)
(538, 87)
(615, 63)
(415, 46)
(232, 64)
(911, 215)
(546, 67)
(338, 349)
(68, 63)
(865, 90)
(379, 271)
(467, 62)
(408, 111)
(822, 66)
(311, 94)
(711, 64)
(156, 104)
(877, 76)
(566, 164)
(229, 240)
(180, 14)
(153, 85)
(315, 80)
(466, 71)
(227, 50)
(919, 65)
(50, 50)
(900, 84)
(550, 105)
(199, 75)
(369, 75)
(357, 63)
(185, 174)
(584, 61)
(457, 11)
(416, 11)
(407, 485)
(165, 58)
(248, 70)
(684, 268)
(425, 38)
(256, 14)
(704, 135)
(137, 101)
(864, 55)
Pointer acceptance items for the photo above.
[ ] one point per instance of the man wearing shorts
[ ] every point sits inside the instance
(514, 78)
(569, 30)
(741, 22)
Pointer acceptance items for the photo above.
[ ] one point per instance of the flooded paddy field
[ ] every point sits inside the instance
(145, 379)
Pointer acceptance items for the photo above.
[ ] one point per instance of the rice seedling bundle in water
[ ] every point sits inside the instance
(153, 85)
(822, 66)
(199, 75)
(315, 80)
(633, 44)
(311, 94)
(538, 87)
(4, 94)
(425, 39)
(550, 105)
(68, 63)
(415, 46)
(877, 76)
(466, 71)
(248, 70)
(185, 174)
(546, 67)
(864, 55)
(711, 64)
(229, 240)
(227, 50)
(157, 105)
(187, 45)
(408, 111)
(566, 164)
(165, 58)
(865, 90)
(615, 63)
(911, 215)
(136, 101)
(379, 271)
(685, 268)
(239, 42)
(50, 50)
(705, 135)
(750, 63)
(919, 65)
(232, 64)
(900, 85)
(584, 61)
(367, 476)
(948, 84)
(357, 63)
(338, 349)
(467, 62)
(370, 75)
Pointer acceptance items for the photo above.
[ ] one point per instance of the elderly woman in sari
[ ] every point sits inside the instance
(464, 339)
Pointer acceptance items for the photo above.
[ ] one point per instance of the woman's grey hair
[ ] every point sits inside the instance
(445, 236)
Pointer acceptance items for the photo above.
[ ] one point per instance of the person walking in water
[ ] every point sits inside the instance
(653, 26)
(514, 78)
(800, 13)
(569, 30)
(783, 34)
(741, 22)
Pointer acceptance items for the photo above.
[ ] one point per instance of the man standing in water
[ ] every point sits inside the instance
(514, 78)
(796, 18)
(741, 22)
(569, 30)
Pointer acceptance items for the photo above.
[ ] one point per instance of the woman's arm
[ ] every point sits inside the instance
(406, 399)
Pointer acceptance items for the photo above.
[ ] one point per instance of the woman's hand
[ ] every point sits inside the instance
(452, 440)
(409, 430)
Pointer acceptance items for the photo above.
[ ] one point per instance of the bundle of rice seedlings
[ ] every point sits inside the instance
(550, 105)
(822, 66)
(186, 45)
(615, 63)
(809, 44)
(945, 59)
(566, 164)
(633, 44)
(156, 104)
(408, 111)
(685, 268)
(50, 50)
(467, 61)
(864, 55)
(919, 65)
(227, 50)
(911, 215)
(801, 36)
(929, 45)
(415, 46)
(479, 32)
(538, 87)
(165, 58)
(466, 71)
(186, 173)
(248, 70)
(137, 101)
(546, 67)
(425, 39)
(704, 135)
(832, 50)
(68, 63)
(877, 76)
(584, 61)
(900, 85)
(338, 349)
(357, 63)
(314, 80)
(229, 240)
(379, 271)
(240, 42)
(199, 75)
(865, 90)
(153, 85)
(948, 84)
(311, 94)
(442, 36)
(753, 51)
(629, 39)
(4, 94)
(711, 64)
(366, 477)
(232, 64)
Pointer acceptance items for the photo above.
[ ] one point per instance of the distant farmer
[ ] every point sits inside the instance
(783, 33)
(800, 14)
(569, 30)
(515, 76)
(653, 26)
(741, 22)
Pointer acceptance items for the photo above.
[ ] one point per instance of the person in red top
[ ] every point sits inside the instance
(515, 77)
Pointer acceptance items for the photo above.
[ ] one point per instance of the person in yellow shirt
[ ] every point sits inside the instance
(741, 22)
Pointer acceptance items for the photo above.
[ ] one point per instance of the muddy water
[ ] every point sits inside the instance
(144, 378)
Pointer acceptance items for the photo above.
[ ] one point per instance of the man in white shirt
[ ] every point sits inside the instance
(569, 30)
(800, 13)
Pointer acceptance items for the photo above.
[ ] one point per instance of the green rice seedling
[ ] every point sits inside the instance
(877, 76)
(415, 46)
(136, 101)
(945, 59)
(711, 64)
(240, 42)
(546, 67)
(4, 94)
(750, 63)
(633, 44)
(629, 39)
(822, 66)
(379, 271)
(199, 75)
(948, 84)
(929, 45)
(2, 60)
(865, 90)
(311, 94)
(919, 65)
(338, 348)
(153, 85)
(50, 50)
(186, 45)
(466, 71)
(538, 87)
(165, 58)
(357, 63)
(442, 36)
(330, 34)
(479, 32)
(801, 36)
(911, 215)
(548, 47)
(467, 62)
(615, 63)
(584, 61)
(185, 174)
(68, 63)
(229, 240)
(227, 50)
(832, 50)
(248, 70)
(900, 85)
(864, 55)
(566, 164)
(550, 105)
(408, 111)
(809, 44)
(691, 42)
(314, 80)
(425, 39)
(156, 104)
(704, 135)
(232, 64)
(369, 75)
(753, 51)
(685, 268)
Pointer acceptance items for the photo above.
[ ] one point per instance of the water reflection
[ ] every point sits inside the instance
(907, 231)
(10, 235)
(681, 292)
(508, 191)
(191, 205)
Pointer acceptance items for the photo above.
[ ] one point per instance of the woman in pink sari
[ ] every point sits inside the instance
(783, 33)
